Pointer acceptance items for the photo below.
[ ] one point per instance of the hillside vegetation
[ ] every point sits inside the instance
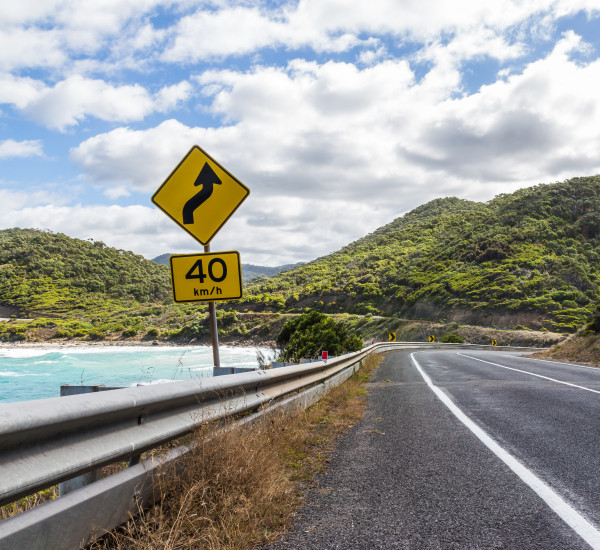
(56, 288)
(72, 287)
(524, 259)
(41, 270)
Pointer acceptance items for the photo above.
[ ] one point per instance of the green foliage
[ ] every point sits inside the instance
(152, 334)
(309, 334)
(193, 331)
(531, 254)
(452, 339)
(536, 250)
(43, 271)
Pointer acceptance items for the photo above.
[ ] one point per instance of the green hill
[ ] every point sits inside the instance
(528, 258)
(57, 288)
(47, 272)
(73, 288)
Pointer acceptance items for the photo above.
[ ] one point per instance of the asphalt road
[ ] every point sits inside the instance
(464, 449)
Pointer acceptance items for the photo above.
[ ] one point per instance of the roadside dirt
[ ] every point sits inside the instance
(578, 348)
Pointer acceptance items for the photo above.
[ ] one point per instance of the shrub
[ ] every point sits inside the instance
(595, 323)
(226, 318)
(452, 339)
(310, 333)
(152, 333)
(240, 330)
(196, 329)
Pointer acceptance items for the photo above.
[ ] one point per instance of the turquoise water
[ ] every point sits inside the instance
(37, 372)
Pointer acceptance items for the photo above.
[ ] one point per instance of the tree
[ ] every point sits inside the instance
(310, 333)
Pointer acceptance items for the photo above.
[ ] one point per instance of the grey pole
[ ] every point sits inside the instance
(214, 335)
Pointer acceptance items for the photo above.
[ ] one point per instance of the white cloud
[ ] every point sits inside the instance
(48, 33)
(169, 97)
(138, 160)
(19, 92)
(206, 34)
(373, 142)
(75, 98)
(333, 26)
(30, 48)
(71, 100)
(303, 123)
(534, 126)
(122, 227)
(9, 148)
(15, 201)
(51, 33)
(148, 231)
(371, 56)
(330, 150)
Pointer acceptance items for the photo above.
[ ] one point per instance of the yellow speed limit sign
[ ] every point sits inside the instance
(206, 277)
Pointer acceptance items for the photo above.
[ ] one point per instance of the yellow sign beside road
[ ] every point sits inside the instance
(200, 195)
(432, 338)
(206, 277)
(494, 343)
(392, 336)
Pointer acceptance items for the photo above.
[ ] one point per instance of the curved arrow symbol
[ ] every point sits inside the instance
(206, 178)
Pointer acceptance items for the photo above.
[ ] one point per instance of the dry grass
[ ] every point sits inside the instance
(578, 348)
(239, 488)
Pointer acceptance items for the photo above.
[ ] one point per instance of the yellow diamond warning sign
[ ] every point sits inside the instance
(200, 195)
(206, 277)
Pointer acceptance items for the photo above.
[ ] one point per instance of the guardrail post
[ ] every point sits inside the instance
(219, 371)
(80, 481)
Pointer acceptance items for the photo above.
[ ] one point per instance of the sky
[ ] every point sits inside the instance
(338, 116)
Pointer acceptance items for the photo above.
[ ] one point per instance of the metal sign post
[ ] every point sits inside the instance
(212, 317)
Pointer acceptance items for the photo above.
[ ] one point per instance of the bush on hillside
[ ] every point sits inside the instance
(594, 325)
(310, 333)
(452, 339)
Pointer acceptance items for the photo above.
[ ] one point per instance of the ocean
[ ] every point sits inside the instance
(28, 373)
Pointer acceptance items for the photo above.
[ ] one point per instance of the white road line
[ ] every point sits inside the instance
(530, 373)
(597, 369)
(564, 510)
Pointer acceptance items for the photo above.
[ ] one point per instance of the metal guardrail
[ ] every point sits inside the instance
(47, 441)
